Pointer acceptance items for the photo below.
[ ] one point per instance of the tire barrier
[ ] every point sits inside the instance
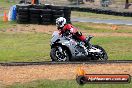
(101, 11)
(46, 16)
(22, 13)
(42, 14)
(67, 14)
(34, 16)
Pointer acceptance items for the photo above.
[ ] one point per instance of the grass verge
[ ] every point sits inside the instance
(6, 25)
(101, 28)
(98, 16)
(36, 47)
(66, 84)
(7, 3)
(118, 48)
(24, 47)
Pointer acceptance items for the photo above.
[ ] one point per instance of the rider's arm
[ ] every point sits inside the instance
(73, 30)
(60, 32)
(70, 28)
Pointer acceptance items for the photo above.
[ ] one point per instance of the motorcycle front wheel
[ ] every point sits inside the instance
(102, 56)
(56, 55)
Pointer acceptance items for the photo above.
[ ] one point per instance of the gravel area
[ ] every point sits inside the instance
(21, 74)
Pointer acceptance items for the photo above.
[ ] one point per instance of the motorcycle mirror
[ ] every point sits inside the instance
(89, 37)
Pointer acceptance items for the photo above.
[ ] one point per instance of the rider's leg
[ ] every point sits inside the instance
(82, 38)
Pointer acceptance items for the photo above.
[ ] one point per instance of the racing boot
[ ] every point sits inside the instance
(87, 44)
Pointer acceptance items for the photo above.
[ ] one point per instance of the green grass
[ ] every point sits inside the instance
(118, 48)
(0, 19)
(98, 16)
(16, 47)
(1, 11)
(6, 25)
(24, 47)
(7, 3)
(66, 84)
(101, 28)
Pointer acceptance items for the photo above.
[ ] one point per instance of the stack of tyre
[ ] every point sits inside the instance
(57, 12)
(67, 14)
(42, 14)
(46, 16)
(34, 13)
(22, 13)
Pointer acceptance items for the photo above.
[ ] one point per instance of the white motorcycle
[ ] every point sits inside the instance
(67, 48)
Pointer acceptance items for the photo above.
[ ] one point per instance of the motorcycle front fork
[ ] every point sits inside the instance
(86, 48)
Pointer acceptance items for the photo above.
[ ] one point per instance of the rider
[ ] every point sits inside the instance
(62, 26)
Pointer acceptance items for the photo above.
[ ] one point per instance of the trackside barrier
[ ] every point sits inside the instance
(41, 14)
(47, 14)
(101, 11)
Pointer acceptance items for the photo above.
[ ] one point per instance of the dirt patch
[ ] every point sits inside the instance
(49, 29)
(33, 28)
(21, 74)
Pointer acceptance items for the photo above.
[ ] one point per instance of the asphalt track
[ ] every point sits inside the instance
(106, 21)
(56, 63)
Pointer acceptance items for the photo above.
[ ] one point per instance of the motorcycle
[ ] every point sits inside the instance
(67, 48)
